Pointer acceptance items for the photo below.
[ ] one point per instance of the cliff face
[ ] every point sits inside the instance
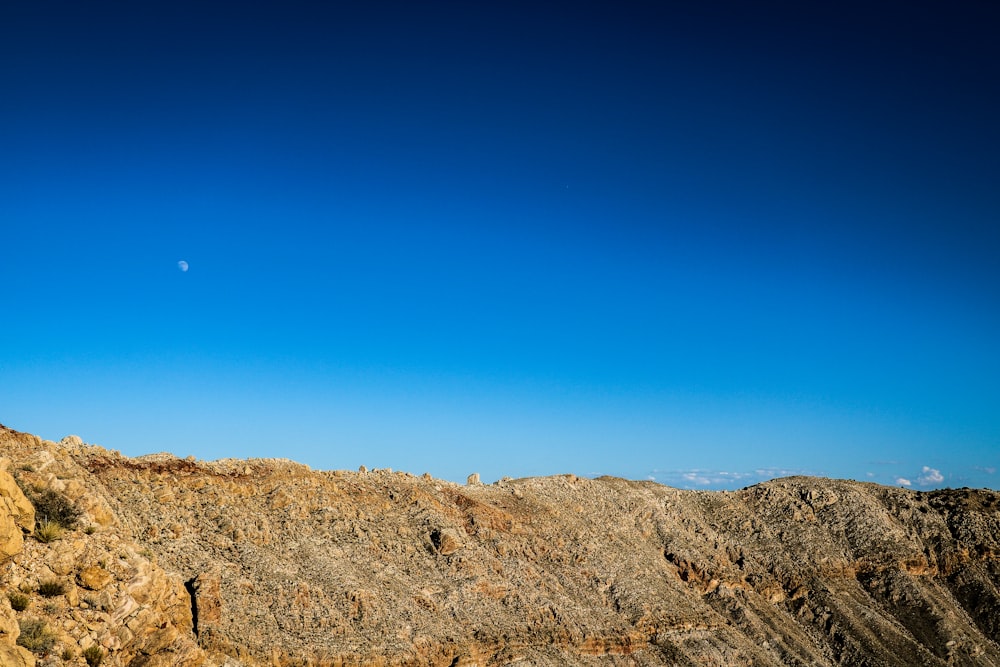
(268, 562)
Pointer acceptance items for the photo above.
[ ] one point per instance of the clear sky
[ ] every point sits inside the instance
(705, 243)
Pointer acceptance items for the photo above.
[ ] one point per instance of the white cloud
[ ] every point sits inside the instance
(702, 478)
(902, 481)
(930, 476)
(696, 478)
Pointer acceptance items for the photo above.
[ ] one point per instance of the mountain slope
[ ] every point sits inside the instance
(284, 565)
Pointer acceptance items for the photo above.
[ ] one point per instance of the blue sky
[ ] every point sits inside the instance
(706, 245)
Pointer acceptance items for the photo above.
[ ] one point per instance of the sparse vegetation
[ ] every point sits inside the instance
(53, 506)
(51, 588)
(67, 654)
(90, 530)
(48, 531)
(93, 655)
(18, 601)
(36, 636)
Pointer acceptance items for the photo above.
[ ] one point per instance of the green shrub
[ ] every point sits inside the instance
(53, 506)
(48, 531)
(18, 601)
(67, 654)
(93, 655)
(35, 635)
(51, 588)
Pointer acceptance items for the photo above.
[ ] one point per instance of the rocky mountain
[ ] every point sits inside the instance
(170, 561)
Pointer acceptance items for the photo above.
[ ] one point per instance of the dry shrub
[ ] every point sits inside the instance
(36, 636)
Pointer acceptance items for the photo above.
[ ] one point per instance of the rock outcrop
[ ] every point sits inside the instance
(16, 514)
(266, 562)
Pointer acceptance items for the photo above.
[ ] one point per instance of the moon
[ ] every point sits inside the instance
(182, 265)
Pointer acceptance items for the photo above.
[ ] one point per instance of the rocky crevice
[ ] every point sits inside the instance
(189, 586)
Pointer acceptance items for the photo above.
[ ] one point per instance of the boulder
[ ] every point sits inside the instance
(446, 541)
(94, 578)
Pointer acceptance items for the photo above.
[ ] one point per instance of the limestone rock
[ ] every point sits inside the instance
(11, 539)
(16, 514)
(94, 578)
(15, 656)
(9, 629)
(13, 501)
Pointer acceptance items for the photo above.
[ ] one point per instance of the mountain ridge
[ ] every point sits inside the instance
(266, 561)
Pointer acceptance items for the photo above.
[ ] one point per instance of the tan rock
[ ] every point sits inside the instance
(14, 501)
(94, 578)
(446, 541)
(15, 656)
(9, 629)
(126, 607)
(63, 555)
(207, 592)
(11, 540)
(72, 595)
(17, 514)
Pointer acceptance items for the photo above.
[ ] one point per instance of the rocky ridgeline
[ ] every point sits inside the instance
(266, 562)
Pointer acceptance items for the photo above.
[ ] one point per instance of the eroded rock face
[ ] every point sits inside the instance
(16, 514)
(103, 589)
(9, 629)
(15, 656)
(269, 562)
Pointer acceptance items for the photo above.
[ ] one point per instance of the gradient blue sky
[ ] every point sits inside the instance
(705, 243)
